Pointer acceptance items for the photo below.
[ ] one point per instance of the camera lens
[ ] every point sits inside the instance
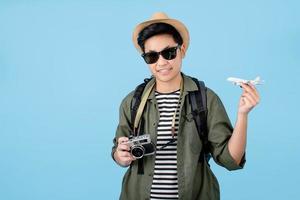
(138, 151)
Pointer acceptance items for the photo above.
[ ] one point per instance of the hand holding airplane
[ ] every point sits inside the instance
(238, 81)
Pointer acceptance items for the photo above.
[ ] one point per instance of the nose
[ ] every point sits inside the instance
(161, 61)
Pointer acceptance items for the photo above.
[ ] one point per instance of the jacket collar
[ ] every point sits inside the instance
(188, 86)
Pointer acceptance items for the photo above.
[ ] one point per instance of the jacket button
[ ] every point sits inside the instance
(150, 174)
(154, 124)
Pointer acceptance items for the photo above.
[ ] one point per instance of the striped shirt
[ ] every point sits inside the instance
(165, 182)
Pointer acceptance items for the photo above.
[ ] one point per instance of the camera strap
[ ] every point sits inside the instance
(198, 106)
(139, 114)
(141, 108)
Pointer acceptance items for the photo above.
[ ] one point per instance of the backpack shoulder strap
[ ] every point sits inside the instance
(135, 103)
(136, 100)
(198, 100)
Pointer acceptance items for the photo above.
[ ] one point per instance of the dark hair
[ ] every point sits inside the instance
(157, 29)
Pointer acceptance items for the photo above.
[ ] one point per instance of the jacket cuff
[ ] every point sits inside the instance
(113, 150)
(229, 163)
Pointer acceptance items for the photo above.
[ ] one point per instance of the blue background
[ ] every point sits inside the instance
(66, 65)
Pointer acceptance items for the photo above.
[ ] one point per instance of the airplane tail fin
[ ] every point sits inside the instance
(258, 80)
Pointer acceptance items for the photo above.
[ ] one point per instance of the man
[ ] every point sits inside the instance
(174, 171)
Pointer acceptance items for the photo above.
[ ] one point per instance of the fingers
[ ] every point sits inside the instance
(122, 154)
(254, 89)
(122, 146)
(249, 99)
(246, 100)
(251, 92)
(250, 89)
(122, 140)
(124, 158)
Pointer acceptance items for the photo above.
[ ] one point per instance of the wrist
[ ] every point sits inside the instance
(242, 116)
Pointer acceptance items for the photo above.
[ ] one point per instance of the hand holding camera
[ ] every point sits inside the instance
(141, 146)
(122, 154)
(130, 149)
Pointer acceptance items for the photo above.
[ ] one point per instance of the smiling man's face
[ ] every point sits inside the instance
(165, 71)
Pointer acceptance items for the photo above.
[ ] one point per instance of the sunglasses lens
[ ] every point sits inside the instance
(170, 53)
(150, 58)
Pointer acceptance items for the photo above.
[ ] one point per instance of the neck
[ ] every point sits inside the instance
(170, 86)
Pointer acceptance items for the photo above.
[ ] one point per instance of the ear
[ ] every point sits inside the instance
(182, 50)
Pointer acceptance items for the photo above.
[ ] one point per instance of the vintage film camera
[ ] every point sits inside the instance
(140, 146)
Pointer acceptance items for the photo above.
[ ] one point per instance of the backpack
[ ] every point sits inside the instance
(198, 101)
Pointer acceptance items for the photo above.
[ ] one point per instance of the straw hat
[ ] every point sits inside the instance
(161, 17)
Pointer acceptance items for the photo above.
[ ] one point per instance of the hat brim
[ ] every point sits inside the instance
(180, 27)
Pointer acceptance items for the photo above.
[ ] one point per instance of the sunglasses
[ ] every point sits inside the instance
(169, 54)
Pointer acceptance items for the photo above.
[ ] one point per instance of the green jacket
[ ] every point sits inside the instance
(195, 179)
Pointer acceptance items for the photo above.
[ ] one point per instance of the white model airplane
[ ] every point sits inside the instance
(238, 81)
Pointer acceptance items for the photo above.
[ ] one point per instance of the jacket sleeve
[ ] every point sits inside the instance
(219, 133)
(123, 128)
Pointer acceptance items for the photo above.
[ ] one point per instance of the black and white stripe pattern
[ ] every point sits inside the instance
(165, 182)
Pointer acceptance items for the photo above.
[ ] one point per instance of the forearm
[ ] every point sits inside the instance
(237, 142)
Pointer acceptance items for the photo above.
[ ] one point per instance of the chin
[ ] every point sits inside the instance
(165, 78)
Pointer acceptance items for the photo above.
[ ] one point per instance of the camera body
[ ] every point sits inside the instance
(141, 146)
